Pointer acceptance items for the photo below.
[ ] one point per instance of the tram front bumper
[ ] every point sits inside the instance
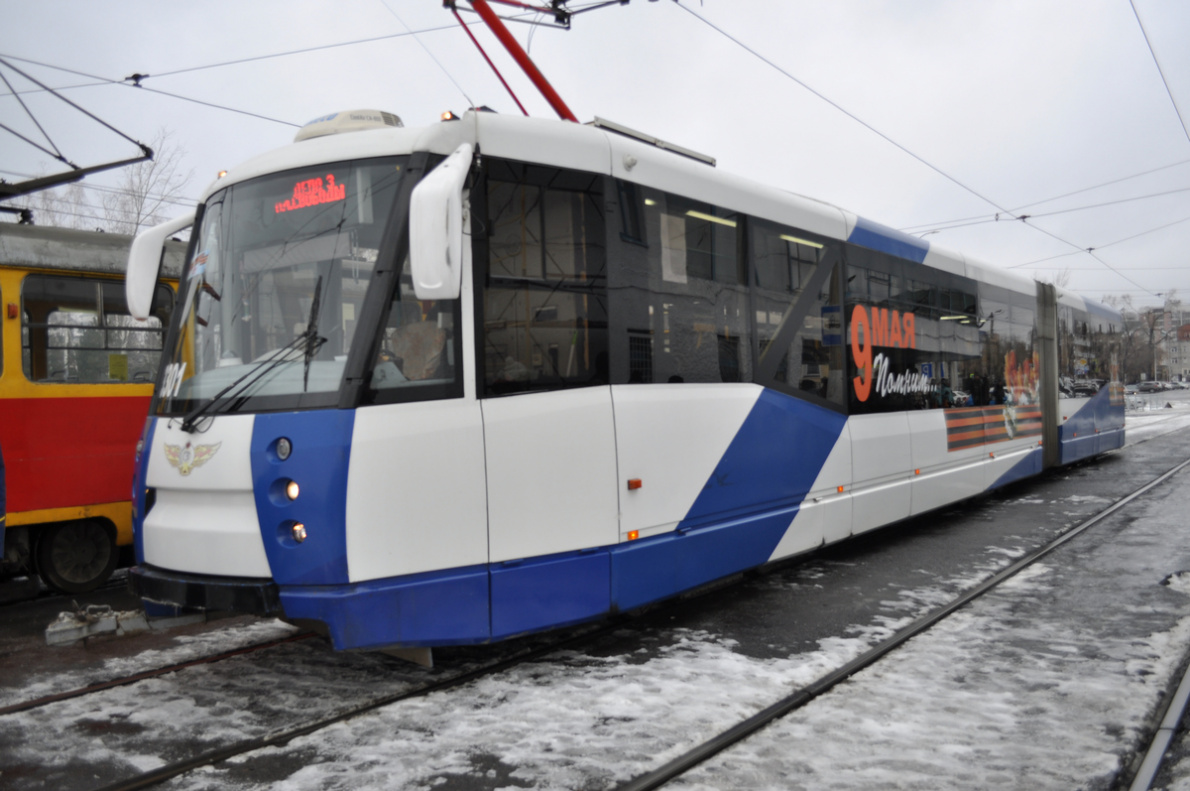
(203, 592)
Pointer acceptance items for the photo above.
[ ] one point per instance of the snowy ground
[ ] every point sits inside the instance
(1045, 683)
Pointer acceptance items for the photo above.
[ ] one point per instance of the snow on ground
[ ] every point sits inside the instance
(1046, 682)
(1147, 417)
(186, 648)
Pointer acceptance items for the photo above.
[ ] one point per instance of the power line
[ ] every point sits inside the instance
(106, 81)
(421, 44)
(985, 220)
(137, 78)
(902, 148)
(841, 109)
(1160, 71)
(915, 228)
(1109, 244)
(304, 50)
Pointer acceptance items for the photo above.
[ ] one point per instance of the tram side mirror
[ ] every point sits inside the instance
(144, 262)
(436, 228)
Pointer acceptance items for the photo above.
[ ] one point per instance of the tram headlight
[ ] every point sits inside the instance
(292, 490)
(298, 531)
(284, 448)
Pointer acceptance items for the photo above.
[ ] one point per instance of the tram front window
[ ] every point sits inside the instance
(275, 286)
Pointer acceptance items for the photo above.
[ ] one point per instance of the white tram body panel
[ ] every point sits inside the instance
(204, 520)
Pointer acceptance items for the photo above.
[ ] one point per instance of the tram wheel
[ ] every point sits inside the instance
(75, 557)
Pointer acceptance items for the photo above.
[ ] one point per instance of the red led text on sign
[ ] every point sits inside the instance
(313, 192)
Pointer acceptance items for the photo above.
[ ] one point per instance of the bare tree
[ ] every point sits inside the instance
(71, 206)
(1061, 279)
(147, 190)
(145, 195)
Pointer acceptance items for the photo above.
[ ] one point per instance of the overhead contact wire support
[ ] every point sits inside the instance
(522, 58)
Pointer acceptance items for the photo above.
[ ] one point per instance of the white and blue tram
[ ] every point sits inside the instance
(453, 384)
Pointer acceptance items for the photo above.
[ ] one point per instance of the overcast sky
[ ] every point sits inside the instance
(913, 114)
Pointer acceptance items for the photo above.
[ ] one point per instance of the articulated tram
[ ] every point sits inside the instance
(454, 384)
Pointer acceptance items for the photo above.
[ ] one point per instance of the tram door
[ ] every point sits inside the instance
(549, 434)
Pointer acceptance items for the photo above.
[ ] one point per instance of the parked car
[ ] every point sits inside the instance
(1149, 387)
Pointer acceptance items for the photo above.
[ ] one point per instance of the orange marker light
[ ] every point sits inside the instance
(917, 472)
(991, 455)
(634, 483)
(840, 490)
(633, 535)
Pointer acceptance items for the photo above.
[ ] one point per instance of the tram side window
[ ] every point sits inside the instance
(79, 330)
(680, 298)
(798, 312)
(1009, 368)
(1087, 350)
(545, 291)
(419, 349)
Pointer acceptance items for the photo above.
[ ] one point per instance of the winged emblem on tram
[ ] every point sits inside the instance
(187, 457)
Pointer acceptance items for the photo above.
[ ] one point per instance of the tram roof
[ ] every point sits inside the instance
(602, 147)
(67, 249)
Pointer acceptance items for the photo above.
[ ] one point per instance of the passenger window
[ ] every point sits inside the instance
(680, 298)
(545, 293)
(798, 313)
(79, 330)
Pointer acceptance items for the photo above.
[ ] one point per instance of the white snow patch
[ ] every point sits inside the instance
(1179, 582)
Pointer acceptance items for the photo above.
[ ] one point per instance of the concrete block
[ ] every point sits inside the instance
(131, 622)
(69, 628)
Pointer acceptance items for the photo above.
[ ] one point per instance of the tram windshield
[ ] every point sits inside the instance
(270, 299)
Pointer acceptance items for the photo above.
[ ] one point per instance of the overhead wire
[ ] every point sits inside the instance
(985, 220)
(1160, 71)
(1016, 209)
(108, 81)
(1109, 244)
(56, 153)
(901, 147)
(421, 44)
(82, 110)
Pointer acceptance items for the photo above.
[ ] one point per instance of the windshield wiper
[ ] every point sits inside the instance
(312, 343)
